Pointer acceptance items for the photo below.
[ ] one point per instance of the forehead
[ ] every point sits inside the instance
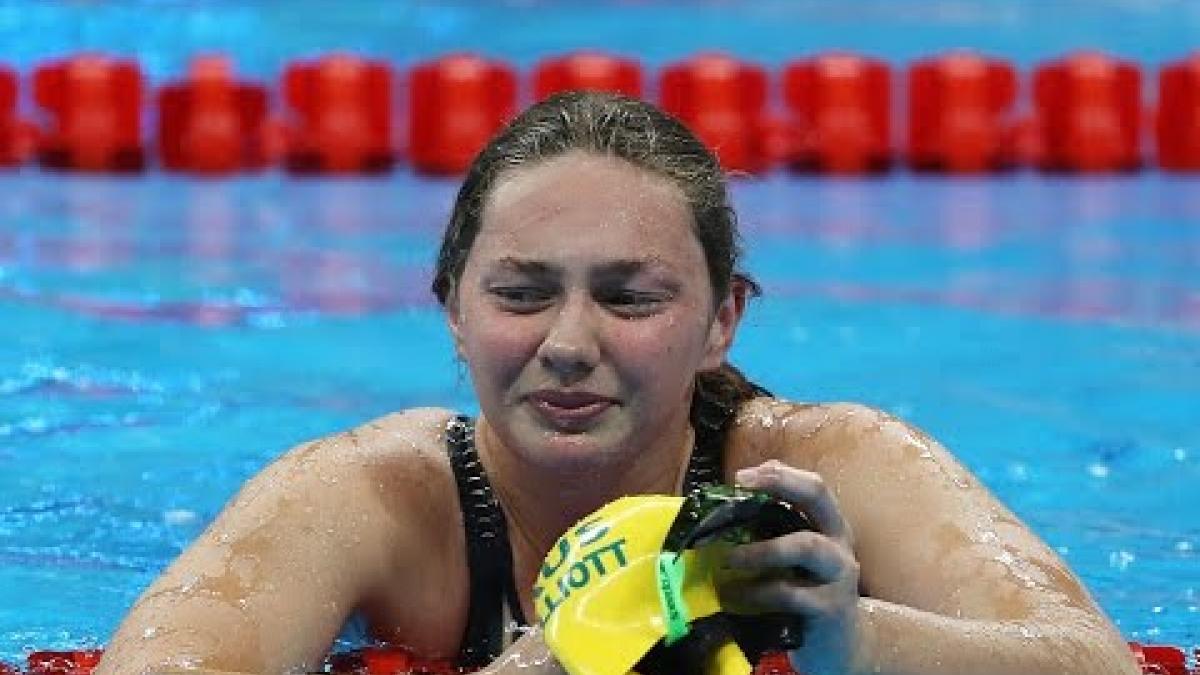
(584, 204)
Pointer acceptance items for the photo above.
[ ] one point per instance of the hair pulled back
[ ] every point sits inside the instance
(613, 125)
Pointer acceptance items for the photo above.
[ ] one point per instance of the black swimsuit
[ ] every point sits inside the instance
(495, 604)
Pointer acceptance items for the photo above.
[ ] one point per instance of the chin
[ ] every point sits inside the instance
(589, 448)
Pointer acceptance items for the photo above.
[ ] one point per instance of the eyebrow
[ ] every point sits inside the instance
(624, 267)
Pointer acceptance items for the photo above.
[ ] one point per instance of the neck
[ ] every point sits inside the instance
(541, 501)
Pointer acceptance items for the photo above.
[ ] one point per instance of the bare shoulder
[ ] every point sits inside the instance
(824, 437)
(798, 433)
(400, 437)
(309, 540)
(381, 465)
(928, 533)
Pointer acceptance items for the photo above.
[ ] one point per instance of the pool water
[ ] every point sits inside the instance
(163, 338)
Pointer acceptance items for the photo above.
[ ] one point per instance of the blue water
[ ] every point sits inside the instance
(163, 338)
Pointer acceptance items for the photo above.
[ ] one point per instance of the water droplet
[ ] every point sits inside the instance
(1121, 559)
(179, 517)
(1018, 472)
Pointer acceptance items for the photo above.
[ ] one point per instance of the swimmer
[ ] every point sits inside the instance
(589, 276)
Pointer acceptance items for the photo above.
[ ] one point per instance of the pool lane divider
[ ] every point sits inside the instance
(383, 660)
(833, 112)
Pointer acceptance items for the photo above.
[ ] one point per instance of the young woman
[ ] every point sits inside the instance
(589, 279)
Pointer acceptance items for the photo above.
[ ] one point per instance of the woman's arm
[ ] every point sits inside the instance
(957, 582)
(530, 655)
(901, 640)
(267, 587)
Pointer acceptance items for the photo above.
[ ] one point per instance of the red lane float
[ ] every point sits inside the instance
(1153, 659)
(8, 117)
(15, 136)
(456, 104)
(1178, 118)
(587, 70)
(959, 114)
(1162, 659)
(80, 662)
(210, 122)
(723, 101)
(94, 105)
(841, 105)
(1087, 114)
(341, 109)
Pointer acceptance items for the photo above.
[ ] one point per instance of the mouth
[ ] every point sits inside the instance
(569, 409)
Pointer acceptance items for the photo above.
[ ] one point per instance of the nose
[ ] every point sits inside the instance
(570, 349)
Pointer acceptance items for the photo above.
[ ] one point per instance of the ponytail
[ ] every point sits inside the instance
(717, 396)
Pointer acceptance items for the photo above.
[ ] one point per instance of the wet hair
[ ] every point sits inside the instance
(618, 126)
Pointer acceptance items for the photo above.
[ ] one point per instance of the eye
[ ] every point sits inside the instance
(521, 298)
(632, 302)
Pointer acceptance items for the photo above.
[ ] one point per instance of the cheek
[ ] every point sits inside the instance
(497, 347)
(673, 346)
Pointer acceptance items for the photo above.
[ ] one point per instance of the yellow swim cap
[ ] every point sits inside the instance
(642, 572)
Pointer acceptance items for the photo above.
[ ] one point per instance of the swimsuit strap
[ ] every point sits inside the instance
(711, 421)
(489, 557)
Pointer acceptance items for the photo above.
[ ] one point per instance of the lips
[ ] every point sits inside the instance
(569, 408)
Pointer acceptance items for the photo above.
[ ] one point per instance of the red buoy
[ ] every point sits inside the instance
(77, 662)
(11, 132)
(774, 663)
(1178, 120)
(960, 114)
(386, 661)
(592, 71)
(210, 122)
(94, 108)
(1087, 114)
(1160, 659)
(400, 661)
(841, 106)
(341, 109)
(723, 101)
(456, 103)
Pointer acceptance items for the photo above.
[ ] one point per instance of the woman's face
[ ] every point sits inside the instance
(585, 310)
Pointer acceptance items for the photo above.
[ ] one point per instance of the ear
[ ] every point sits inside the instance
(724, 326)
(454, 323)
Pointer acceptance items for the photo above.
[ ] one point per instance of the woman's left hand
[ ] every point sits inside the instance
(826, 595)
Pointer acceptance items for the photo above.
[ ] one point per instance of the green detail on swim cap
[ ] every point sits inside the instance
(669, 571)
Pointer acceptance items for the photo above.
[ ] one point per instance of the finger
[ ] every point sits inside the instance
(760, 597)
(802, 488)
(823, 559)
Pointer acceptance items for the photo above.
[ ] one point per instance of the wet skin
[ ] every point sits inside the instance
(584, 313)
